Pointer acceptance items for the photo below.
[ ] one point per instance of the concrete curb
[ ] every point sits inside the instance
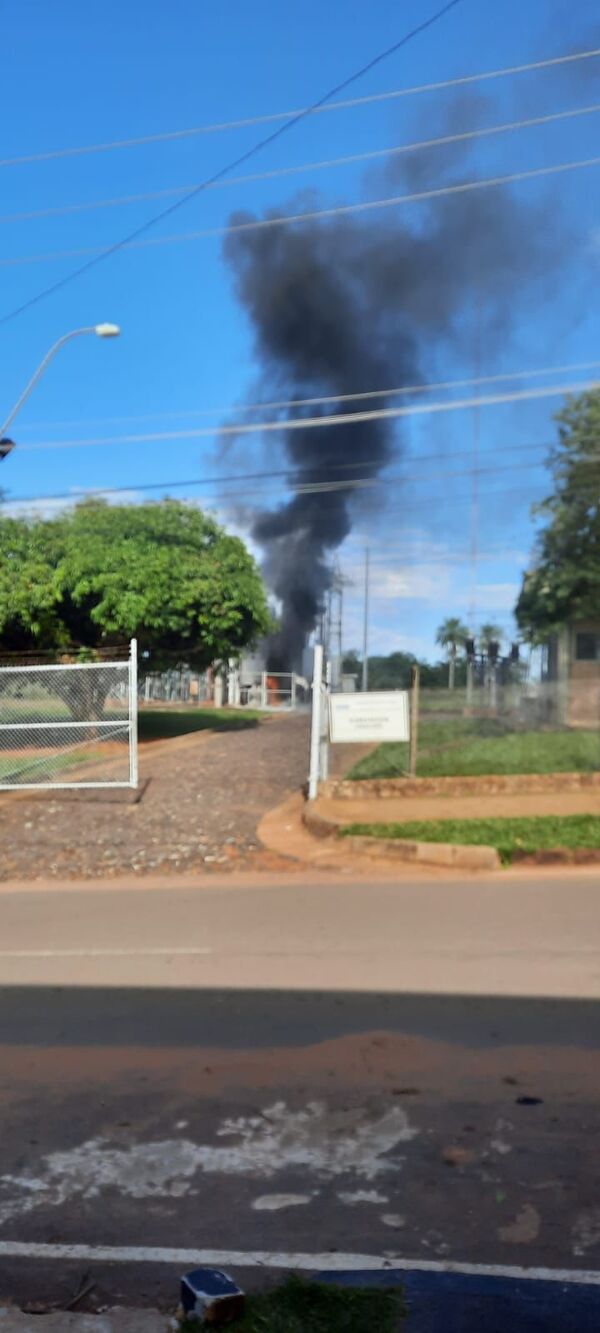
(113, 1321)
(318, 825)
(457, 855)
(492, 784)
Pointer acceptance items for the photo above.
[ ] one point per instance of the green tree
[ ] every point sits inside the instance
(164, 572)
(489, 634)
(451, 635)
(564, 583)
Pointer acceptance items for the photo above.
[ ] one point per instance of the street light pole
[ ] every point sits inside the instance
(101, 331)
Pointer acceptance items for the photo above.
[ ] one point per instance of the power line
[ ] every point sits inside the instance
(236, 162)
(291, 474)
(280, 473)
(294, 470)
(119, 201)
(433, 386)
(308, 423)
(317, 109)
(424, 502)
(285, 220)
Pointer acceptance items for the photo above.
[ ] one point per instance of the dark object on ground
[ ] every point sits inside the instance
(211, 1296)
(529, 1101)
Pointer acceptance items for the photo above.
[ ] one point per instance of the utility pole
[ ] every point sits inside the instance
(365, 664)
(334, 639)
(475, 464)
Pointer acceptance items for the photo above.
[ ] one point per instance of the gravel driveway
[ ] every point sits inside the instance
(204, 799)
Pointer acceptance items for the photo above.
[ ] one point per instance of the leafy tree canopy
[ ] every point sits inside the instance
(100, 574)
(394, 672)
(564, 583)
(452, 634)
(488, 634)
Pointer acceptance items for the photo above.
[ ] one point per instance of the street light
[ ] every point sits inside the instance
(101, 331)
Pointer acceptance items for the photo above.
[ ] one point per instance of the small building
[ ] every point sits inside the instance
(572, 665)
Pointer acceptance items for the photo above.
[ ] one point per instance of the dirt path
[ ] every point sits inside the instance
(200, 810)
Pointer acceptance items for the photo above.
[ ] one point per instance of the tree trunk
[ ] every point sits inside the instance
(451, 666)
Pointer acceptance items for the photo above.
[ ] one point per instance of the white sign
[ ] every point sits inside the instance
(380, 715)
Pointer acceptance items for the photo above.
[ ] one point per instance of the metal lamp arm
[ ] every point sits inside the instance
(75, 333)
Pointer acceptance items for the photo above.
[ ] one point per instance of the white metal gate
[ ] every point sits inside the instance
(69, 725)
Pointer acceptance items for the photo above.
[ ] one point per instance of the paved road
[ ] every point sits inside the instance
(399, 1069)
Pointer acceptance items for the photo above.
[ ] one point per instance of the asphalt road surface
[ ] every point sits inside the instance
(407, 1070)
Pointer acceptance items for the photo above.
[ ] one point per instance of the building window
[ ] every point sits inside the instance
(587, 647)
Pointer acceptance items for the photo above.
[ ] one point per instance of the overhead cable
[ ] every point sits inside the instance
(319, 422)
(574, 367)
(282, 474)
(418, 145)
(318, 109)
(286, 220)
(238, 161)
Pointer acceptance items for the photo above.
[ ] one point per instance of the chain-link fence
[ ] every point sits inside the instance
(516, 727)
(178, 685)
(69, 725)
(267, 689)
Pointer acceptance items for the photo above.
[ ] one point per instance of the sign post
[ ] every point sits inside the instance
(315, 723)
(414, 721)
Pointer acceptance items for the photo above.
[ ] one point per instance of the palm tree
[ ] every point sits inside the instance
(488, 635)
(451, 635)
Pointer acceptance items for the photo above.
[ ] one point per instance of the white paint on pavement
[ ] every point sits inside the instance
(323, 1141)
(499, 1143)
(352, 1197)
(393, 1220)
(273, 1203)
(332, 1260)
(586, 1231)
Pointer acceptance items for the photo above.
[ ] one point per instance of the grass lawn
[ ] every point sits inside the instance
(158, 724)
(443, 701)
(509, 836)
(473, 746)
(38, 710)
(35, 769)
(311, 1307)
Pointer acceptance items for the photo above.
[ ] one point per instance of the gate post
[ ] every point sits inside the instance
(133, 714)
(414, 721)
(315, 723)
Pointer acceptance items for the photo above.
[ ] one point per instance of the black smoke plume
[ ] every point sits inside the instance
(342, 305)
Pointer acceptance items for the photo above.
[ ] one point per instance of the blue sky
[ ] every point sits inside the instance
(85, 74)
